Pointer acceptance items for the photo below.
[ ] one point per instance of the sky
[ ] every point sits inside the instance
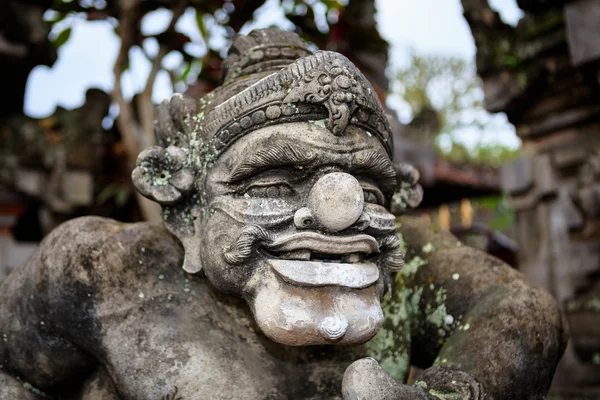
(426, 26)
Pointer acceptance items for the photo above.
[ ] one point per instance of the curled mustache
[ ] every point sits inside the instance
(242, 249)
(392, 259)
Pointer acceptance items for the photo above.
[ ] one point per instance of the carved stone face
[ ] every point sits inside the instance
(277, 184)
(296, 223)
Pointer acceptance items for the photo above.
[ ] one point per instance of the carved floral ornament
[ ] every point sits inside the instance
(333, 87)
(160, 174)
(323, 85)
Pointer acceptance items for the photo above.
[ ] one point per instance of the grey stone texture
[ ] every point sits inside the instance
(278, 269)
(544, 74)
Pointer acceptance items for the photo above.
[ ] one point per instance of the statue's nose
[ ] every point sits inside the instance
(335, 202)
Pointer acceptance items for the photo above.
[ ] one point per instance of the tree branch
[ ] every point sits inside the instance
(126, 120)
(173, 79)
(145, 105)
(128, 126)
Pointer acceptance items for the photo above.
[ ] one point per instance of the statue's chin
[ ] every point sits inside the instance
(298, 316)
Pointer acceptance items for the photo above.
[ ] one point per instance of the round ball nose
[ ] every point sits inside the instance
(336, 201)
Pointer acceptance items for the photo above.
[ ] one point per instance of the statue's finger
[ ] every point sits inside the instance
(366, 380)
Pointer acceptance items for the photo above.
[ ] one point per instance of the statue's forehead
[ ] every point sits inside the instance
(306, 135)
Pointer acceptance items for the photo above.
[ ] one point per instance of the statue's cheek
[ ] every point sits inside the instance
(266, 212)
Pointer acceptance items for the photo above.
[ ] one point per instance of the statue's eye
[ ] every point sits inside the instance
(373, 198)
(276, 190)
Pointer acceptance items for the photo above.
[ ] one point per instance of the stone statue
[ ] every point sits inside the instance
(275, 191)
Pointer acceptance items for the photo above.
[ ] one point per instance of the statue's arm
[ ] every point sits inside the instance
(48, 324)
(471, 313)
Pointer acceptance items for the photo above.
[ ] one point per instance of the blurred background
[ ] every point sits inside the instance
(496, 102)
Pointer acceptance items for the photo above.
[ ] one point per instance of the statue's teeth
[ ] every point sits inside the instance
(353, 258)
(303, 255)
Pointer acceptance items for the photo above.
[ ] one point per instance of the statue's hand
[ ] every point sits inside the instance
(366, 380)
(447, 381)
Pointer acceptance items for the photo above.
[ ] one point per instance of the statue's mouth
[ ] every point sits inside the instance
(313, 259)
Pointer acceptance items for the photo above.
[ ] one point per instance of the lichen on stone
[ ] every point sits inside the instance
(390, 346)
(586, 304)
(412, 266)
(29, 387)
(428, 248)
(437, 313)
(445, 395)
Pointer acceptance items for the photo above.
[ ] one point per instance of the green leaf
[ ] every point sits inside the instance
(119, 193)
(106, 193)
(332, 4)
(126, 64)
(122, 196)
(511, 62)
(185, 73)
(62, 37)
(201, 25)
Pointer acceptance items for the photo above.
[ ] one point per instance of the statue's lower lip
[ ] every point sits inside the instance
(320, 273)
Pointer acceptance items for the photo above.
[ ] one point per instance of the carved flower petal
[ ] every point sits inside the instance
(152, 154)
(178, 157)
(182, 180)
(165, 194)
(415, 195)
(407, 173)
(142, 182)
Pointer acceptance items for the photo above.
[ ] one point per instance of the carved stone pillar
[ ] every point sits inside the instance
(544, 74)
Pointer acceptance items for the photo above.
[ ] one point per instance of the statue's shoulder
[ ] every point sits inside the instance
(89, 245)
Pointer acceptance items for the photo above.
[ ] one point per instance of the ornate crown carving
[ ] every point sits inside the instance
(260, 51)
(334, 87)
(323, 85)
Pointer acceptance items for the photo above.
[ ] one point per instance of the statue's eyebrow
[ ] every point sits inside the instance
(270, 157)
(370, 163)
(377, 166)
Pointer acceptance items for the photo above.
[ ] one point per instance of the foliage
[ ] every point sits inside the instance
(62, 37)
(488, 155)
(499, 207)
(447, 89)
(311, 17)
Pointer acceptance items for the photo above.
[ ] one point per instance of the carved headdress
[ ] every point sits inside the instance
(270, 77)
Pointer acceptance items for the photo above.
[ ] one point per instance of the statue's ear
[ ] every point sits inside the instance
(183, 221)
(162, 175)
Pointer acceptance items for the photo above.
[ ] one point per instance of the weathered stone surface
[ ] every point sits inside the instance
(58, 163)
(583, 30)
(517, 176)
(12, 389)
(270, 277)
(544, 75)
